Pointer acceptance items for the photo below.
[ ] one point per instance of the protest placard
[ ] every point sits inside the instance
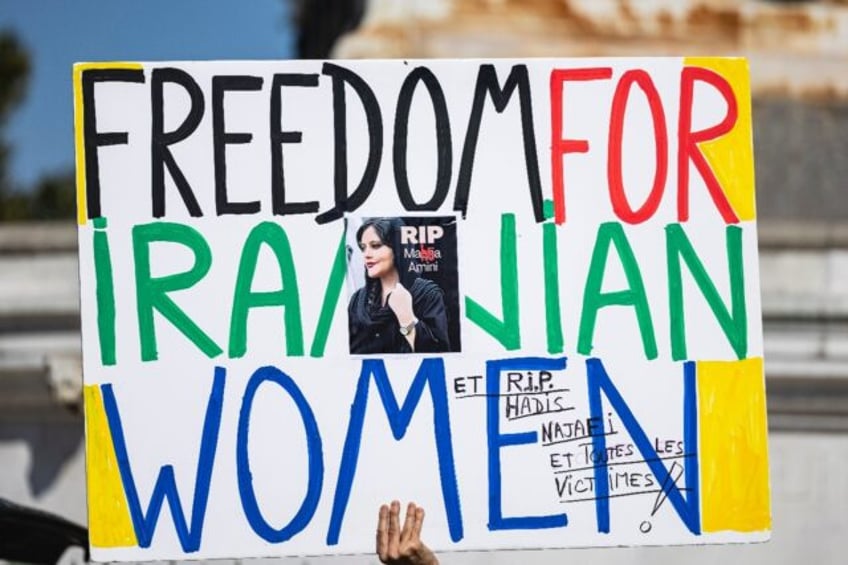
(522, 293)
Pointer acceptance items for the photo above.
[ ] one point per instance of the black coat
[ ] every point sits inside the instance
(375, 329)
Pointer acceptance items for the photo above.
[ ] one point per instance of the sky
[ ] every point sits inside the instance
(59, 33)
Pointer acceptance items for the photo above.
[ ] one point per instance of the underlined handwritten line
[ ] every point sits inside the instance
(566, 409)
(522, 393)
(622, 463)
(577, 439)
(619, 495)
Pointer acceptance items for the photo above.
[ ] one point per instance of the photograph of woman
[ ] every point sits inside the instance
(397, 310)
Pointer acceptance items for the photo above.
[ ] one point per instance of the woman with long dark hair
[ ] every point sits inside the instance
(396, 311)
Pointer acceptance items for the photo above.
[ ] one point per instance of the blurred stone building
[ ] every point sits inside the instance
(798, 54)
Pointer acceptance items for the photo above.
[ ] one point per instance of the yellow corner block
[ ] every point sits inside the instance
(79, 140)
(109, 522)
(733, 447)
(731, 157)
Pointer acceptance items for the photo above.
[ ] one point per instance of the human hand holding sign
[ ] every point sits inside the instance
(396, 546)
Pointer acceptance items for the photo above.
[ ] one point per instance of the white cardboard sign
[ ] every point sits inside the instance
(522, 293)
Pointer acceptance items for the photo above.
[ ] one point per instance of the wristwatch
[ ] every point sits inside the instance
(406, 330)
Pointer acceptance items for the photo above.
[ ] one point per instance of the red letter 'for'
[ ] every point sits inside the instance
(616, 183)
(560, 146)
(688, 141)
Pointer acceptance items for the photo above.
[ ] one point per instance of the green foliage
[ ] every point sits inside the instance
(14, 73)
(53, 196)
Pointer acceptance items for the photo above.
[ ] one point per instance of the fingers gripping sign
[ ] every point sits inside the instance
(396, 546)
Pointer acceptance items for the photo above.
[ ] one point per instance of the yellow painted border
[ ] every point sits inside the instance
(733, 451)
(109, 523)
(731, 157)
(79, 143)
